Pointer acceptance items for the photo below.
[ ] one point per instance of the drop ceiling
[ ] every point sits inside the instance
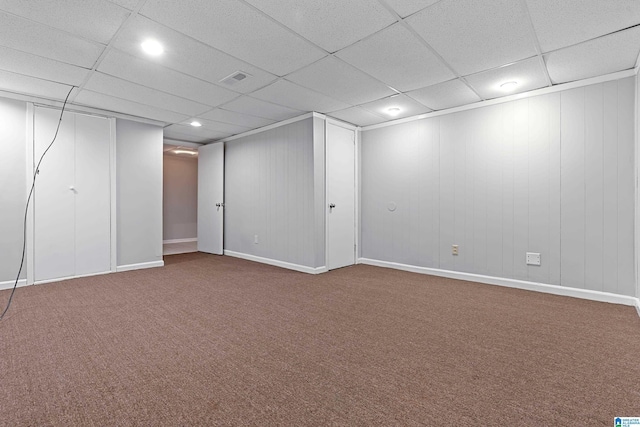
(353, 60)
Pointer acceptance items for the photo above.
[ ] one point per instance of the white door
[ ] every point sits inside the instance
(211, 198)
(340, 147)
(53, 203)
(92, 195)
(72, 199)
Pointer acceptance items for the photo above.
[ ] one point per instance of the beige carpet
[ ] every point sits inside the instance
(212, 340)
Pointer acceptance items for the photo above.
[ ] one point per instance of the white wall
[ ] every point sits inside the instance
(139, 192)
(269, 192)
(552, 174)
(13, 116)
(180, 197)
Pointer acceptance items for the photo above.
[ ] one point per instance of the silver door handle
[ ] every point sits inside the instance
(220, 205)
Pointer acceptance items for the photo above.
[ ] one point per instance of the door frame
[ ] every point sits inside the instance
(30, 165)
(356, 188)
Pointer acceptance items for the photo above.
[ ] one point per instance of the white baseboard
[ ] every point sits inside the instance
(10, 283)
(511, 283)
(283, 264)
(168, 242)
(140, 266)
(59, 279)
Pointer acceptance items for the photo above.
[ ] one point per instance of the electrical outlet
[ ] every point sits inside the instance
(533, 258)
(454, 249)
(255, 239)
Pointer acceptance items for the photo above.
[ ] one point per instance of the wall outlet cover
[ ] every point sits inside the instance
(533, 258)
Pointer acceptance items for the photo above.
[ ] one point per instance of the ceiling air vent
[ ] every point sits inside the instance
(235, 78)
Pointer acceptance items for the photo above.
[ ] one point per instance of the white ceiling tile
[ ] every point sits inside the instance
(563, 23)
(129, 4)
(341, 81)
(405, 8)
(187, 55)
(110, 103)
(175, 135)
(97, 20)
(155, 76)
(297, 97)
(331, 24)
(608, 54)
(201, 132)
(357, 116)
(119, 88)
(445, 95)
(408, 107)
(476, 35)
(18, 83)
(256, 107)
(237, 29)
(28, 36)
(410, 67)
(36, 66)
(212, 125)
(529, 74)
(231, 117)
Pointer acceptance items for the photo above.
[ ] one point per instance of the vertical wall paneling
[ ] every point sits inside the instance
(538, 179)
(553, 255)
(13, 181)
(270, 184)
(573, 188)
(508, 185)
(521, 194)
(594, 190)
(433, 243)
(610, 181)
(319, 191)
(626, 187)
(448, 136)
(495, 148)
(139, 193)
(552, 174)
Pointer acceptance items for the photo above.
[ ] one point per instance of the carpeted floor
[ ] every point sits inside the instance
(211, 340)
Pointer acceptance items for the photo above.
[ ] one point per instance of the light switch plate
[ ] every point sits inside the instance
(533, 258)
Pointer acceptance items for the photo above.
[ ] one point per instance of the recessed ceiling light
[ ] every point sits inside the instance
(508, 86)
(393, 111)
(196, 124)
(179, 151)
(152, 47)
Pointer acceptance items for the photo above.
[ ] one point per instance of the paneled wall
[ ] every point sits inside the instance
(139, 192)
(13, 183)
(552, 174)
(270, 194)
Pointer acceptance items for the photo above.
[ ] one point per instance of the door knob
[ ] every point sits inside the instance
(220, 205)
(332, 205)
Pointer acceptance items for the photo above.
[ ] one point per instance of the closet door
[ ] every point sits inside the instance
(54, 197)
(72, 215)
(92, 195)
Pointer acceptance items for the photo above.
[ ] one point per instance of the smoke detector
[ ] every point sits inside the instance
(235, 78)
